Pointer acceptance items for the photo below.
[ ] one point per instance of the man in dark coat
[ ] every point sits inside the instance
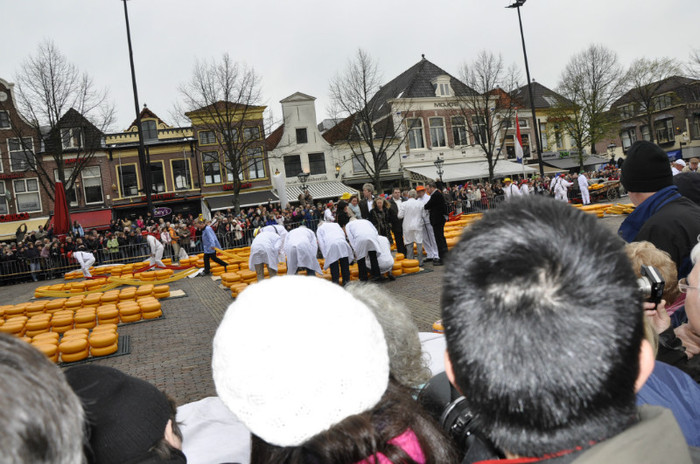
(662, 216)
(438, 215)
(366, 200)
(396, 222)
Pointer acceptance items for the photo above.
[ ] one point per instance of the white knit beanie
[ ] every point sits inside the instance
(295, 355)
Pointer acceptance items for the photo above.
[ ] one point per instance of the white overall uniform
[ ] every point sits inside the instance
(85, 259)
(265, 248)
(156, 251)
(363, 237)
(301, 247)
(512, 191)
(583, 185)
(333, 244)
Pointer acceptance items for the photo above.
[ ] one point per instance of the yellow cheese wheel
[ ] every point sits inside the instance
(144, 290)
(33, 333)
(46, 336)
(409, 263)
(82, 332)
(153, 315)
(41, 317)
(129, 311)
(113, 320)
(106, 306)
(109, 297)
(247, 274)
(82, 318)
(105, 326)
(62, 328)
(93, 299)
(73, 303)
(55, 304)
(161, 288)
(396, 272)
(62, 321)
(102, 339)
(162, 296)
(48, 349)
(396, 266)
(73, 357)
(131, 318)
(85, 325)
(37, 325)
(106, 351)
(230, 277)
(411, 270)
(107, 313)
(73, 345)
(14, 310)
(164, 274)
(399, 257)
(150, 306)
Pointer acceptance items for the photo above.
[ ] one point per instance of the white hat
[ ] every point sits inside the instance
(293, 367)
(679, 161)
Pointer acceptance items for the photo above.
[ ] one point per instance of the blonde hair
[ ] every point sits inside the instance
(646, 253)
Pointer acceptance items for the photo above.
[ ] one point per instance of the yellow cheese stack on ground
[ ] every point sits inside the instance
(229, 278)
(107, 314)
(129, 311)
(237, 288)
(85, 318)
(161, 291)
(74, 349)
(150, 308)
(103, 342)
(144, 290)
(410, 266)
(38, 324)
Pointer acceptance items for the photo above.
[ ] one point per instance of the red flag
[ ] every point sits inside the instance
(61, 218)
(518, 141)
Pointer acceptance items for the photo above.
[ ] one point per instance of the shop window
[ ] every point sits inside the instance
(92, 184)
(317, 163)
(211, 167)
(181, 175)
(27, 195)
(128, 180)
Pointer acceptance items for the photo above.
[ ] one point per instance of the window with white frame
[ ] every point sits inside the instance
(27, 195)
(524, 123)
(71, 194)
(211, 167)
(628, 137)
(459, 131)
(543, 135)
(207, 137)
(479, 130)
(20, 152)
(626, 111)
(230, 172)
(71, 138)
(415, 133)
(317, 163)
(4, 209)
(664, 131)
(92, 184)
(646, 135)
(558, 137)
(256, 167)
(437, 132)
(4, 120)
(442, 86)
(181, 174)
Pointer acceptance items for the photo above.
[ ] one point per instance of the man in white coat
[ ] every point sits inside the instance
(364, 239)
(510, 189)
(525, 188)
(412, 214)
(583, 185)
(265, 250)
(301, 247)
(85, 259)
(429, 243)
(561, 187)
(156, 251)
(335, 250)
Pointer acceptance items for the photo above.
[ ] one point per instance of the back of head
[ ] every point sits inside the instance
(543, 323)
(688, 184)
(645, 253)
(127, 416)
(646, 168)
(41, 419)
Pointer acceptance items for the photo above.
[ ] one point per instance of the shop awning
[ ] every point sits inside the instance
(472, 170)
(573, 162)
(8, 229)
(89, 220)
(320, 190)
(245, 199)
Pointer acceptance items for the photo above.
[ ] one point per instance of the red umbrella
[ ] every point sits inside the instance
(61, 216)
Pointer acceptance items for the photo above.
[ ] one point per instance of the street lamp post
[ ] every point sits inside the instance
(517, 4)
(438, 165)
(303, 177)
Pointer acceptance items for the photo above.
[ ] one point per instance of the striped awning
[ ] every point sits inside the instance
(319, 190)
(471, 170)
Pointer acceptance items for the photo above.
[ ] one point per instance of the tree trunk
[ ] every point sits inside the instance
(652, 132)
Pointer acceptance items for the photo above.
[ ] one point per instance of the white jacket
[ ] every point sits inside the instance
(301, 247)
(363, 237)
(332, 242)
(265, 248)
(412, 214)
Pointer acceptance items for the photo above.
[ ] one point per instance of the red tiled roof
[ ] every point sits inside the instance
(274, 138)
(221, 106)
(340, 131)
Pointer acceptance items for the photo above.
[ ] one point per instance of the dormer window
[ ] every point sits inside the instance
(71, 138)
(442, 86)
(150, 130)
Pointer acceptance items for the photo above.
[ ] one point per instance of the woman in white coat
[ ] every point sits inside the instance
(364, 239)
(335, 250)
(265, 250)
(301, 247)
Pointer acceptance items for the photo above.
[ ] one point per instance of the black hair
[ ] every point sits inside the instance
(360, 436)
(543, 323)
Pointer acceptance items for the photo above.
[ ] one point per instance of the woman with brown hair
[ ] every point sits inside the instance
(379, 217)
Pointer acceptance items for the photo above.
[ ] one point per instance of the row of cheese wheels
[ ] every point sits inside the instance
(77, 344)
(91, 299)
(75, 287)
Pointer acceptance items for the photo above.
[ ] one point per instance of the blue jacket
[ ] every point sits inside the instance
(672, 388)
(209, 240)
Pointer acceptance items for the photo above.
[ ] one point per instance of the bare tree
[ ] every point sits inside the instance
(693, 65)
(65, 111)
(592, 80)
(646, 77)
(489, 109)
(224, 98)
(375, 132)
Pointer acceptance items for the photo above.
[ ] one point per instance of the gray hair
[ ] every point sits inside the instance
(369, 187)
(412, 193)
(41, 419)
(406, 361)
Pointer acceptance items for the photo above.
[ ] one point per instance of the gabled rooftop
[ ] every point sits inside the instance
(544, 97)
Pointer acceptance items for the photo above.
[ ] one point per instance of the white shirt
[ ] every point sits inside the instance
(363, 237)
(332, 242)
(511, 190)
(301, 247)
(153, 243)
(265, 248)
(412, 214)
(582, 182)
(525, 189)
(328, 215)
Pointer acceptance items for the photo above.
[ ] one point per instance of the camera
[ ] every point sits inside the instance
(651, 284)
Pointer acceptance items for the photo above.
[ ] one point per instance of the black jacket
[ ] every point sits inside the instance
(364, 209)
(437, 207)
(394, 213)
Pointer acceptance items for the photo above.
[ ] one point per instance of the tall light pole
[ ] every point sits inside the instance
(517, 4)
(145, 167)
(438, 165)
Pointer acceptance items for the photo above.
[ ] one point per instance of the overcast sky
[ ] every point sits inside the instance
(300, 45)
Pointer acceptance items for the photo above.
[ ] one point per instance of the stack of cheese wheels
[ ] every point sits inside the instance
(244, 265)
(163, 274)
(410, 266)
(144, 290)
(35, 308)
(92, 299)
(14, 326)
(161, 291)
(107, 314)
(103, 340)
(62, 321)
(397, 269)
(16, 310)
(282, 268)
(77, 287)
(47, 343)
(217, 270)
(74, 345)
(111, 296)
(85, 318)
(248, 276)
(129, 311)
(55, 305)
(38, 324)
(129, 293)
(147, 275)
(237, 288)
(399, 257)
(150, 307)
(354, 272)
(230, 278)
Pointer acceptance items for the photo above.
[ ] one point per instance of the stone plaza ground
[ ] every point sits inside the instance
(174, 353)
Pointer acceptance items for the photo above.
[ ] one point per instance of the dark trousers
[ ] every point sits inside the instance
(341, 266)
(374, 266)
(439, 231)
(212, 256)
(397, 229)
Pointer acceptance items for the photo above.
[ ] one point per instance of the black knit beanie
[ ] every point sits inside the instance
(688, 184)
(126, 416)
(646, 168)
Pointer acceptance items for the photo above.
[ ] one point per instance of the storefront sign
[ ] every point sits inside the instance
(161, 211)
(14, 217)
(12, 175)
(446, 104)
(243, 186)
(159, 196)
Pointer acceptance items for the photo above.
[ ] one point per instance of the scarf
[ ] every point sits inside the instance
(632, 225)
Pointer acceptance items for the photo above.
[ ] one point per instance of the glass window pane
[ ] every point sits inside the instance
(32, 185)
(19, 186)
(292, 165)
(317, 163)
(28, 202)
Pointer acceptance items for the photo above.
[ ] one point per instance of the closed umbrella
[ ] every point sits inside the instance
(61, 216)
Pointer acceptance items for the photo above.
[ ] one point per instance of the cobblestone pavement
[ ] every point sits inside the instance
(174, 353)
